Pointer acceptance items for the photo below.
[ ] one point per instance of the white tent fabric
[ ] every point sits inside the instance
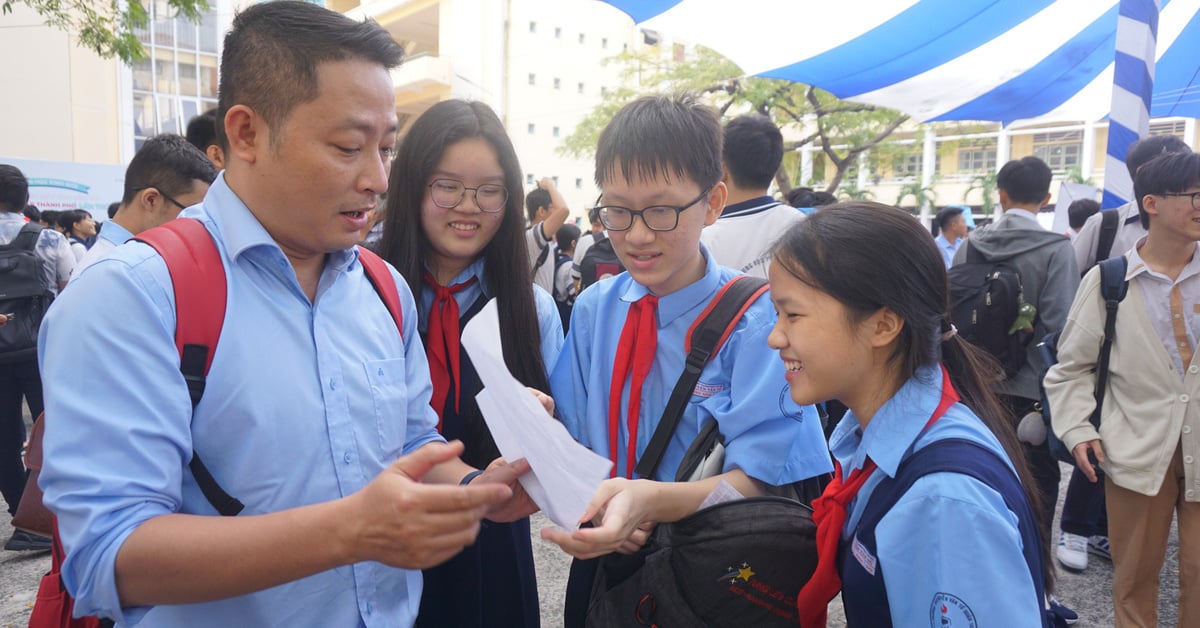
(1005, 60)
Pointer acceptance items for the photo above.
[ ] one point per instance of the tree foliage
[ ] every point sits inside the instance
(842, 130)
(105, 26)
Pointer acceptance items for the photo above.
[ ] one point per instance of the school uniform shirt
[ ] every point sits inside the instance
(306, 402)
(950, 534)
(537, 241)
(947, 248)
(742, 237)
(51, 247)
(549, 322)
(743, 387)
(110, 237)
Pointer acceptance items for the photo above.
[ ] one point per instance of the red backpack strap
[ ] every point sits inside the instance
(381, 277)
(198, 279)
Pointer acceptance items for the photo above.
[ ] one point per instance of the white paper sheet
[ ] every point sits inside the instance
(565, 474)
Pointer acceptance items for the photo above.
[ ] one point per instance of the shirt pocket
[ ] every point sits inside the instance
(389, 396)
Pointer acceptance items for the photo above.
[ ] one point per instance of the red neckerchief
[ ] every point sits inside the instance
(441, 342)
(635, 354)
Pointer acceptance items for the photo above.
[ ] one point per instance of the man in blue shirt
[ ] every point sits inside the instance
(316, 413)
(952, 226)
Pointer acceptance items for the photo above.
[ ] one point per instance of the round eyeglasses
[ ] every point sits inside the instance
(656, 217)
(449, 193)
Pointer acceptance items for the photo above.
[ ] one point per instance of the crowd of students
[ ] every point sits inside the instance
(341, 415)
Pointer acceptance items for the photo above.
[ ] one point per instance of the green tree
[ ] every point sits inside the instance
(105, 26)
(924, 195)
(842, 130)
(986, 184)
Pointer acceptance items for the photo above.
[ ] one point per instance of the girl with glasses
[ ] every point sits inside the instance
(455, 231)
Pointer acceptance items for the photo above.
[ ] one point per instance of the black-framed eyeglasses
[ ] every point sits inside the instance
(656, 217)
(450, 193)
(1195, 197)
(161, 193)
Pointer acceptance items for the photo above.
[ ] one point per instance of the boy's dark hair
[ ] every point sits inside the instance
(594, 216)
(536, 199)
(14, 189)
(1025, 180)
(808, 197)
(674, 136)
(50, 217)
(1170, 173)
(112, 210)
(168, 163)
(273, 50)
(944, 216)
(506, 269)
(32, 213)
(752, 151)
(870, 256)
(567, 236)
(1079, 211)
(1150, 147)
(67, 219)
(202, 130)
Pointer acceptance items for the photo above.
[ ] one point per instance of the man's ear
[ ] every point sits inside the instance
(247, 132)
(716, 203)
(216, 155)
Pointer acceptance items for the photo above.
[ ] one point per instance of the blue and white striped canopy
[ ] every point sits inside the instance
(1003, 60)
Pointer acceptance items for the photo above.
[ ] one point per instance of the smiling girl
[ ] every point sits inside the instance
(455, 230)
(927, 518)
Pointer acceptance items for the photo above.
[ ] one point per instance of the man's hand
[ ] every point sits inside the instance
(1083, 462)
(402, 522)
(520, 505)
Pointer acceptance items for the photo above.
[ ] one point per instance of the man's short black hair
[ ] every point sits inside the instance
(808, 197)
(32, 213)
(1080, 210)
(14, 189)
(945, 215)
(1025, 180)
(753, 151)
(1170, 173)
(673, 136)
(594, 216)
(169, 164)
(112, 210)
(535, 200)
(567, 236)
(202, 130)
(1150, 147)
(273, 49)
(49, 217)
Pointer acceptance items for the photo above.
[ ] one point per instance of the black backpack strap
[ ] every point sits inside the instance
(704, 340)
(1113, 288)
(1110, 221)
(545, 248)
(26, 238)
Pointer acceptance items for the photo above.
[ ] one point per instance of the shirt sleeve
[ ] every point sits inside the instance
(535, 241)
(549, 326)
(422, 426)
(932, 570)
(58, 254)
(569, 374)
(1085, 242)
(1070, 383)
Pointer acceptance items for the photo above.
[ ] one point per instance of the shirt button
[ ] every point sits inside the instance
(370, 608)
(1193, 369)
(347, 457)
(332, 384)
(1184, 398)
(1187, 429)
(1189, 494)
(1175, 316)
(1188, 459)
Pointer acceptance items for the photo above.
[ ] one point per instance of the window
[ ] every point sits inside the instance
(977, 159)
(178, 78)
(578, 183)
(532, 78)
(604, 42)
(557, 32)
(529, 179)
(579, 88)
(557, 83)
(532, 128)
(907, 166)
(1167, 128)
(582, 38)
(1060, 151)
(554, 131)
(533, 27)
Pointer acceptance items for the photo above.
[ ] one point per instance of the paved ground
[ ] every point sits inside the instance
(1088, 592)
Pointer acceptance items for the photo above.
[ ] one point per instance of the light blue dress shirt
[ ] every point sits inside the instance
(549, 322)
(305, 403)
(767, 435)
(948, 250)
(950, 533)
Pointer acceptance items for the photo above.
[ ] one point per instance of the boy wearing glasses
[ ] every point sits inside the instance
(1150, 419)
(658, 164)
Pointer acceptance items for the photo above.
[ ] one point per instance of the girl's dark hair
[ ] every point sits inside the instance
(67, 219)
(506, 260)
(870, 256)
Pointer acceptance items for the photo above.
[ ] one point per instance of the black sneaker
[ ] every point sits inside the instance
(22, 541)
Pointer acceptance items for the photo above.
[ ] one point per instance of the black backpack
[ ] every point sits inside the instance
(985, 301)
(564, 296)
(600, 262)
(24, 295)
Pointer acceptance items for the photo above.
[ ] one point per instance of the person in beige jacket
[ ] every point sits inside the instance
(1150, 418)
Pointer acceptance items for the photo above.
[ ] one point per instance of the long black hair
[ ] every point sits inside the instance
(869, 256)
(506, 260)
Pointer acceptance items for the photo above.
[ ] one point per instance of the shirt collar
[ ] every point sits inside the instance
(895, 426)
(241, 231)
(685, 299)
(13, 217)
(474, 269)
(1137, 266)
(761, 202)
(115, 233)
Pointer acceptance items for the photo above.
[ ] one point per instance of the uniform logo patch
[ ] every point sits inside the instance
(948, 611)
(787, 407)
(707, 390)
(863, 556)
